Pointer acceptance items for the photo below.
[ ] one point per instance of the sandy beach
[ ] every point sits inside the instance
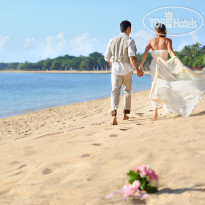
(71, 155)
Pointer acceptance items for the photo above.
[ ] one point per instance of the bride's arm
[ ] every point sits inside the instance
(148, 47)
(170, 50)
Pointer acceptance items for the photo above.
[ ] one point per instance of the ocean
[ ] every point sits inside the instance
(28, 92)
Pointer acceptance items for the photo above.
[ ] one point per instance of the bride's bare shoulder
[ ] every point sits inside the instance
(154, 39)
(168, 39)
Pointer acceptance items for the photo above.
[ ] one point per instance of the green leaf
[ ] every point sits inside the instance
(150, 189)
(143, 185)
(131, 176)
(138, 175)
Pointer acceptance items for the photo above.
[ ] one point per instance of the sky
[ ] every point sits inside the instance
(32, 30)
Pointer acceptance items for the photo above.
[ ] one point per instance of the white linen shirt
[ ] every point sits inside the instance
(119, 68)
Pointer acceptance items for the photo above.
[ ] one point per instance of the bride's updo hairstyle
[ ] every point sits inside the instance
(161, 29)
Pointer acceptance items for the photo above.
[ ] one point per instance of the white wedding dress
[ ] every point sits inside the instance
(174, 86)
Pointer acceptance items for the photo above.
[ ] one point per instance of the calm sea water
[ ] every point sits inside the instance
(26, 92)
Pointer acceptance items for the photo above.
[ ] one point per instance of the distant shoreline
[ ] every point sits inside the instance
(52, 71)
(58, 71)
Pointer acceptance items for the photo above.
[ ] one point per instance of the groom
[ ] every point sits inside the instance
(121, 55)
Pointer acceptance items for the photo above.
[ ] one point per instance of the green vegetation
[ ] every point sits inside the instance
(190, 55)
(95, 61)
(8, 66)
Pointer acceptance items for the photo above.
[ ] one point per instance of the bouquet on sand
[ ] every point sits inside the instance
(142, 180)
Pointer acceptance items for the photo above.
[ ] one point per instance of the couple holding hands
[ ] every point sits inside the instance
(174, 86)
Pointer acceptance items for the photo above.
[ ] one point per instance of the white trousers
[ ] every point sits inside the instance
(117, 82)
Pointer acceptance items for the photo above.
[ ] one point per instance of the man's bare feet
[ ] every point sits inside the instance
(114, 122)
(125, 117)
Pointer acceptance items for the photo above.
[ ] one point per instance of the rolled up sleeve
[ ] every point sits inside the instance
(132, 49)
(108, 53)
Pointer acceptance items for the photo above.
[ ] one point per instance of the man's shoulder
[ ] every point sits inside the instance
(126, 37)
(114, 38)
(131, 41)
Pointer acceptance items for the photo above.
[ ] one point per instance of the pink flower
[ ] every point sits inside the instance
(136, 169)
(152, 176)
(135, 185)
(130, 190)
(142, 170)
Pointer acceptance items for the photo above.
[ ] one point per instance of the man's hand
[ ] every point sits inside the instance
(133, 60)
(110, 63)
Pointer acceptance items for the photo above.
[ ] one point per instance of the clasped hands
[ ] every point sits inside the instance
(139, 72)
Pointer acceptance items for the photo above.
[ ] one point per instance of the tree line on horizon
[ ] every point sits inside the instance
(190, 55)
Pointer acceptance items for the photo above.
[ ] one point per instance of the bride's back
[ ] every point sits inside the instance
(159, 43)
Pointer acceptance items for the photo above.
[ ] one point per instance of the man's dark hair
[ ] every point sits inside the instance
(124, 25)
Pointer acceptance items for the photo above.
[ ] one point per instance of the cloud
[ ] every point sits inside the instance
(194, 39)
(4, 41)
(54, 45)
(34, 49)
(83, 44)
(181, 46)
(49, 47)
(30, 42)
(141, 38)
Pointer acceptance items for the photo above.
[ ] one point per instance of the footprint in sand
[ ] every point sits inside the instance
(13, 163)
(123, 129)
(96, 144)
(139, 124)
(113, 135)
(79, 180)
(4, 192)
(126, 128)
(85, 155)
(17, 173)
(140, 114)
(24, 165)
(198, 185)
(46, 171)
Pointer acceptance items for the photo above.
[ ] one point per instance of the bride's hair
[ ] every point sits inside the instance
(161, 29)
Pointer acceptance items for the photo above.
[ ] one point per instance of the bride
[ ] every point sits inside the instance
(174, 86)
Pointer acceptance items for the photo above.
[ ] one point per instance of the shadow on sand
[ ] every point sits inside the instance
(180, 190)
(198, 114)
(169, 191)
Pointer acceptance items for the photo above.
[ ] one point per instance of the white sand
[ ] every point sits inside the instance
(71, 155)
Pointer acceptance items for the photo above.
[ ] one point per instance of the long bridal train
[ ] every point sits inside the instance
(174, 85)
